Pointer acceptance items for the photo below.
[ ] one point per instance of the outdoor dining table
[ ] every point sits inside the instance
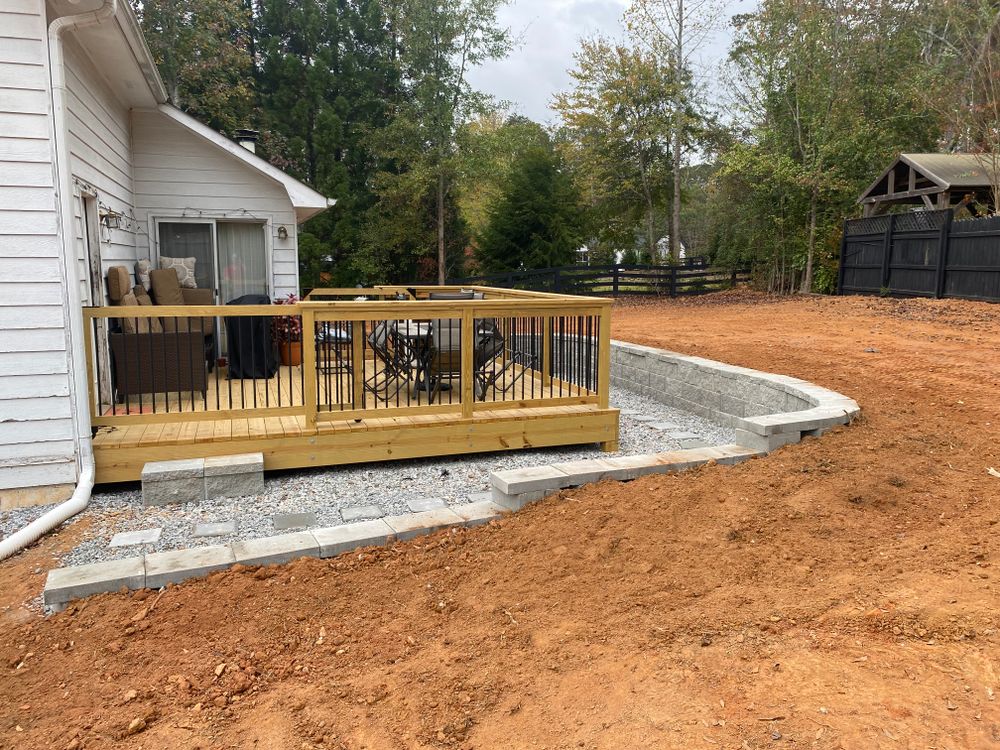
(417, 334)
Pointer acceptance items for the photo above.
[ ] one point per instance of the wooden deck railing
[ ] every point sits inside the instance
(394, 353)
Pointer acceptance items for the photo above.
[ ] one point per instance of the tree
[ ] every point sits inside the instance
(491, 145)
(829, 91)
(202, 50)
(326, 78)
(675, 30)
(537, 222)
(962, 49)
(617, 120)
(438, 43)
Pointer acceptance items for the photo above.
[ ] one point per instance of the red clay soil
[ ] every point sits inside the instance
(840, 593)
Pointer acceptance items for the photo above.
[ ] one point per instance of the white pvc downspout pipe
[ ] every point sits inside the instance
(72, 319)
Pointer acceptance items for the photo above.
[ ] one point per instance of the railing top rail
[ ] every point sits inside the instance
(420, 293)
(529, 303)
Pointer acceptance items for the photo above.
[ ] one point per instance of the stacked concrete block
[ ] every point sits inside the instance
(179, 565)
(752, 402)
(181, 481)
(63, 585)
(275, 550)
(234, 476)
(336, 540)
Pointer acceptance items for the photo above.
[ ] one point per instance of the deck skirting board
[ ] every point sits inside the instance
(120, 458)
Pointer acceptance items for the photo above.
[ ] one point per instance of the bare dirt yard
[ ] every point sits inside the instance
(840, 593)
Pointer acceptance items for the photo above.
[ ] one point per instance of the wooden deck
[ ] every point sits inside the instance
(288, 442)
(543, 359)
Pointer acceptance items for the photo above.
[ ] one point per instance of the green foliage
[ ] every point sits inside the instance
(203, 51)
(536, 222)
(326, 73)
(490, 146)
(828, 96)
(617, 122)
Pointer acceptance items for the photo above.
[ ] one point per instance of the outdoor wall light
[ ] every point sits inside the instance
(282, 233)
(111, 219)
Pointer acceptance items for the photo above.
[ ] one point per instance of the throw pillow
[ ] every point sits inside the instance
(184, 268)
(142, 268)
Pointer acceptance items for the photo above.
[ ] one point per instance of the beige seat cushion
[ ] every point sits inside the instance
(138, 325)
(154, 324)
(166, 287)
(119, 284)
(184, 268)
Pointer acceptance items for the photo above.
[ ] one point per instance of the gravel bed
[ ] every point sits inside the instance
(389, 485)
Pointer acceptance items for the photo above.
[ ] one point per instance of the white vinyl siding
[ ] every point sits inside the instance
(180, 174)
(36, 428)
(101, 158)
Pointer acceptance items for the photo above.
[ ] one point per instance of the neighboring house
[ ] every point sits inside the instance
(96, 170)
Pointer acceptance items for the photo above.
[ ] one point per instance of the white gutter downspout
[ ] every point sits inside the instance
(72, 317)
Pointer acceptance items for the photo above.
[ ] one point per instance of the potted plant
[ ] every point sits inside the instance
(287, 331)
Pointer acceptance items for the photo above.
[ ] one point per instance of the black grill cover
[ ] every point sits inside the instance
(251, 351)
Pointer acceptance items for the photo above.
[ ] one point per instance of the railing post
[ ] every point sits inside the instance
(604, 371)
(673, 281)
(88, 347)
(887, 250)
(614, 282)
(309, 365)
(358, 363)
(944, 243)
(557, 282)
(468, 373)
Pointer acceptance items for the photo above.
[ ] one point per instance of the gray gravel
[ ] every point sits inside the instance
(390, 485)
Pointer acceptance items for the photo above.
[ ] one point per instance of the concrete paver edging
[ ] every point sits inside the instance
(766, 410)
(157, 569)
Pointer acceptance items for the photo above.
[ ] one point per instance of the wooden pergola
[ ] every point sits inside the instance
(934, 181)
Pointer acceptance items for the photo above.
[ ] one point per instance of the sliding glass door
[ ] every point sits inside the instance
(230, 256)
(191, 240)
(242, 259)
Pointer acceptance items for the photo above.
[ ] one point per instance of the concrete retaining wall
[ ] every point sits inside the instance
(766, 410)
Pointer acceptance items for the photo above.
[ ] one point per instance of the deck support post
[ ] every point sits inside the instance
(604, 371)
(309, 365)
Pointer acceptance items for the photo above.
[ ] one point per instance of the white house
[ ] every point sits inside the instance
(96, 170)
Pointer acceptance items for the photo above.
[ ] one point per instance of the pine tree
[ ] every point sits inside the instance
(537, 222)
(326, 75)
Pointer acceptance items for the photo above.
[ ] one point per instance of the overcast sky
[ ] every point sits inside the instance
(548, 31)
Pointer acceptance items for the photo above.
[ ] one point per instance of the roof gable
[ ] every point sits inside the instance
(306, 201)
(913, 175)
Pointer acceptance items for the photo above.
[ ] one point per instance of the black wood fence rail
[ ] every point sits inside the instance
(615, 281)
(922, 254)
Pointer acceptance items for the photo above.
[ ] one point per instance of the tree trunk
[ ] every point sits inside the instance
(675, 226)
(807, 276)
(440, 228)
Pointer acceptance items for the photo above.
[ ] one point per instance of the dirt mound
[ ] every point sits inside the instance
(839, 593)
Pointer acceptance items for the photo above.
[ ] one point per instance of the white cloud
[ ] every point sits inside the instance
(549, 32)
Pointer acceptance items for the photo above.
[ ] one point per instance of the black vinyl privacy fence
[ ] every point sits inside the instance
(616, 280)
(921, 254)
